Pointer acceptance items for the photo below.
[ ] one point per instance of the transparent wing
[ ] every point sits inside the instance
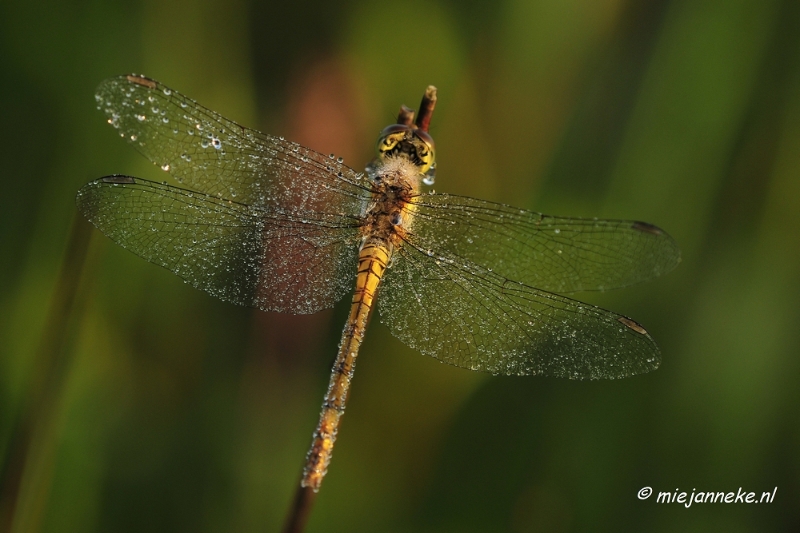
(243, 254)
(556, 254)
(216, 156)
(467, 316)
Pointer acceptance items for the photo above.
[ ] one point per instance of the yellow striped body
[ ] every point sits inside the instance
(372, 263)
(395, 183)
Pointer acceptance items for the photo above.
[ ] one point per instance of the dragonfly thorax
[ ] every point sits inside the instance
(396, 180)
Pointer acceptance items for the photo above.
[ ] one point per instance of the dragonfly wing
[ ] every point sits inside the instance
(470, 317)
(556, 254)
(216, 156)
(241, 254)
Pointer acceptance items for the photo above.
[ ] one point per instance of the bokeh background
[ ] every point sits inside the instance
(132, 402)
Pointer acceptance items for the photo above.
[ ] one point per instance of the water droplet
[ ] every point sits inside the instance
(331, 156)
(164, 120)
(429, 180)
(167, 91)
(216, 143)
(340, 160)
(140, 118)
(204, 143)
(556, 231)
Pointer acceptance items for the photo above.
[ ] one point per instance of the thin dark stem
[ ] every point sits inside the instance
(405, 116)
(300, 510)
(426, 108)
(53, 358)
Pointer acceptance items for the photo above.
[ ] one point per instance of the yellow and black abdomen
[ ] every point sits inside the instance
(373, 260)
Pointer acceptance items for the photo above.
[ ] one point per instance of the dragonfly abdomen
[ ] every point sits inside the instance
(372, 263)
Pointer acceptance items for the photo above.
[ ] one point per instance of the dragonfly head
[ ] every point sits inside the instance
(408, 141)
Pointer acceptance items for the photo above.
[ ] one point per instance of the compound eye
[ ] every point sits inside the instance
(426, 138)
(425, 151)
(391, 136)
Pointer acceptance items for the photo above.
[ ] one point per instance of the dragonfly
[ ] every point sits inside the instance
(260, 221)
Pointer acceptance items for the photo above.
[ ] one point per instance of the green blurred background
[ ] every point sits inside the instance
(132, 402)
